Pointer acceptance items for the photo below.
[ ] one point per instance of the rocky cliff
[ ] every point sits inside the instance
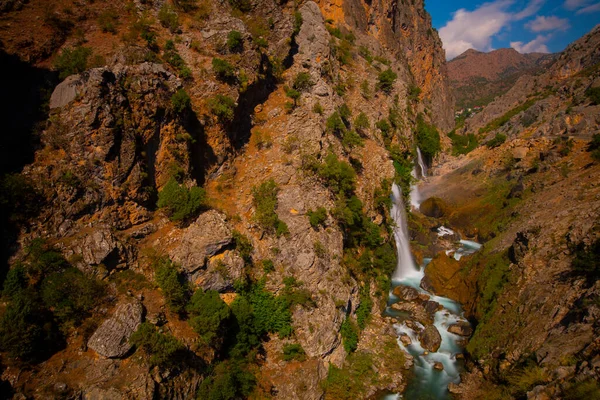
(239, 151)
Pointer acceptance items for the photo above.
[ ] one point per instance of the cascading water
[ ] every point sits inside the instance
(405, 266)
(428, 382)
(421, 163)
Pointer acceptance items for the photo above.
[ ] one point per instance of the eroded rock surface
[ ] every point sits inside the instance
(111, 339)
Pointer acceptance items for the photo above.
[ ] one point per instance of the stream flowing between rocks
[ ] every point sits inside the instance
(433, 370)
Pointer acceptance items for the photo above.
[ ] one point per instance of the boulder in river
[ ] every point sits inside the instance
(430, 338)
(406, 293)
(438, 366)
(461, 328)
(405, 339)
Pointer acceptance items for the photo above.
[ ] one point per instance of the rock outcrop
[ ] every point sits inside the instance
(111, 339)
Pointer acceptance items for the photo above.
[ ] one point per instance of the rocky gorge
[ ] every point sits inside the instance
(198, 205)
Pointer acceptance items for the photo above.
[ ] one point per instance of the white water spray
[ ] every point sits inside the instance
(421, 163)
(405, 266)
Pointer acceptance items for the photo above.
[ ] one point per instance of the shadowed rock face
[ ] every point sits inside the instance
(111, 339)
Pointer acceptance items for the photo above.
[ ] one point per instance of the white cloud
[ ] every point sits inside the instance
(589, 9)
(537, 45)
(575, 4)
(475, 29)
(542, 24)
(533, 7)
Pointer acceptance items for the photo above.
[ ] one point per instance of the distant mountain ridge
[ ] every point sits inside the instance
(476, 78)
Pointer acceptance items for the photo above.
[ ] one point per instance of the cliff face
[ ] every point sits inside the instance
(257, 130)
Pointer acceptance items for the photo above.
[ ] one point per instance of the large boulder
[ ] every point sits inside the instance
(444, 277)
(111, 339)
(207, 236)
(434, 207)
(406, 293)
(430, 338)
(461, 328)
(222, 271)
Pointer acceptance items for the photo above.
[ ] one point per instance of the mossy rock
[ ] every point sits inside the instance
(434, 207)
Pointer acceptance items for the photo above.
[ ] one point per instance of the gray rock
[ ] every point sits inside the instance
(111, 339)
(65, 92)
(438, 366)
(432, 306)
(221, 272)
(313, 38)
(208, 235)
(461, 328)
(430, 338)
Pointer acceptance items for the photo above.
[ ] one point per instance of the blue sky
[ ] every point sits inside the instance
(525, 25)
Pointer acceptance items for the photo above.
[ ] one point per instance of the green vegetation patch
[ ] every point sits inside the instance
(161, 349)
(501, 121)
(180, 202)
(265, 203)
(428, 138)
(352, 381)
(463, 144)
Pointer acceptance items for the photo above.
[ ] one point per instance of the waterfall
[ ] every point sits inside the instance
(421, 163)
(405, 266)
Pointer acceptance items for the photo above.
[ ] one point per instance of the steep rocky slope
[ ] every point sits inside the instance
(476, 78)
(272, 108)
(532, 196)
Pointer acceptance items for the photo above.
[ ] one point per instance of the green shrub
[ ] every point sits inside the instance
(168, 18)
(43, 258)
(363, 311)
(174, 59)
(498, 140)
(352, 139)
(209, 315)
(222, 107)
(345, 114)
(26, 328)
(303, 82)
(525, 379)
(265, 203)
(235, 41)
(162, 349)
(349, 332)
(352, 381)
(180, 202)
(241, 5)
(293, 351)
(180, 101)
(230, 380)
(317, 217)
(335, 125)
(271, 314)
(428, 138)
(72, 61)
(338, 175)
(15, 281)
(385, 80)
(108, 21)
(414, 92)
(586, 261)
(361, 122)
(582, 390)
(385, 128)
(243, 246)
(318, 108)
(292, 94)
(71, 295)
(268, 266)
(463, 144)
(172, 283)
(593, 93)
(223, 70)
(594, 147)
(297, 23)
